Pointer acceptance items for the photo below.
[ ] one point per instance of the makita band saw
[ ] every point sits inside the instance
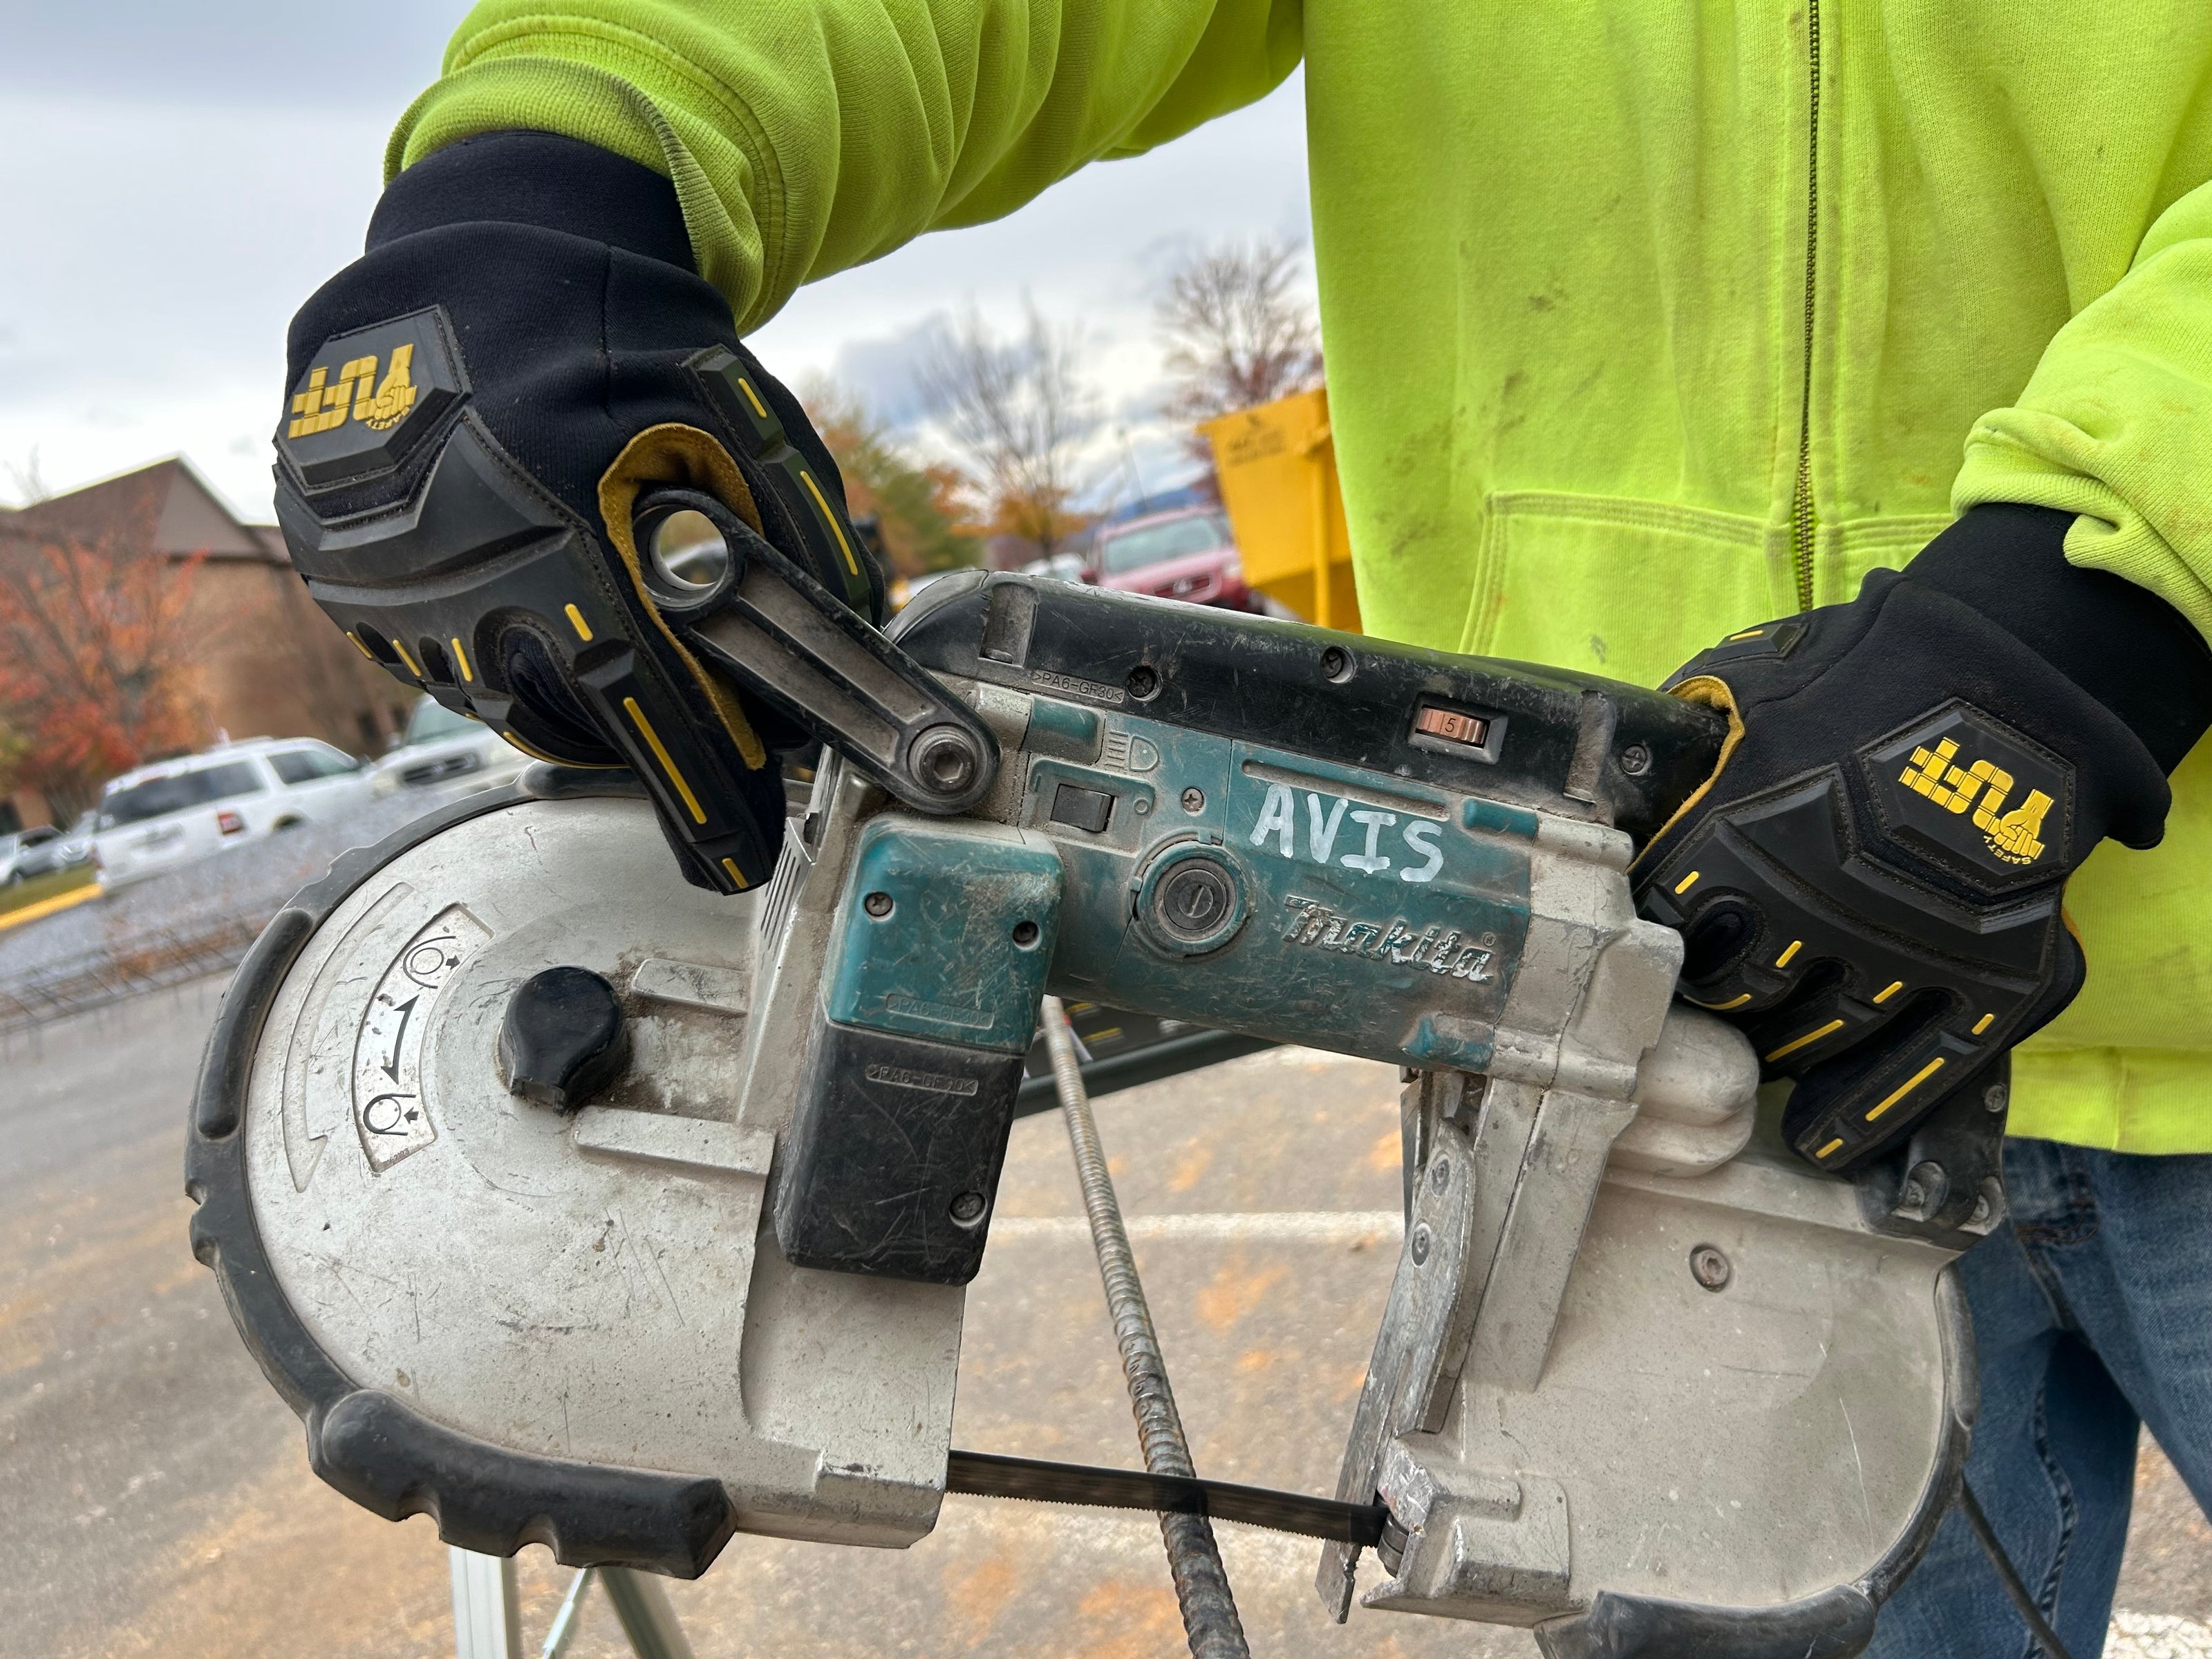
(576, 1205)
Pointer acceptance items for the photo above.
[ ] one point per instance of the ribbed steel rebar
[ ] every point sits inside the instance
(563, 1632)
(1202, 1584)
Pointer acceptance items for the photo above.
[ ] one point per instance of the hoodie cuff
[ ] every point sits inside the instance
(2121, 643)
(540, 178)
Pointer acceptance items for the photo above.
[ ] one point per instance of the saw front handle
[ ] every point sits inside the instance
(726, 592)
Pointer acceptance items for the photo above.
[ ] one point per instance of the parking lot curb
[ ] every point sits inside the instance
(48, 906)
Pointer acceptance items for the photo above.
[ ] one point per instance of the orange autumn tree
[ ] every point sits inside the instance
(96, 670)
(918, 510)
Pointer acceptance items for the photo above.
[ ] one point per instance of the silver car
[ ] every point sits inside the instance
(21, 850)
(59, 851)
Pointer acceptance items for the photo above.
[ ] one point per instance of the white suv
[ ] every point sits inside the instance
(177, 810)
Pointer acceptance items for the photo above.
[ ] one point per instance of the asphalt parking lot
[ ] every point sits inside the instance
(159, 1500)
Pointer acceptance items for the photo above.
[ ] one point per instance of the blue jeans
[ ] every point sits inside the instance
(2093, 1317)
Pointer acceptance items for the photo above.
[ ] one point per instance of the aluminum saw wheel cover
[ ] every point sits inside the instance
(566, 1315)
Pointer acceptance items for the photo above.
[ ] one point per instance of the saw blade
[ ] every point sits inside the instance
(988, 1474)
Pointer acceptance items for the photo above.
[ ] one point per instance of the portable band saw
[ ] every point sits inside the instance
(574, 1204)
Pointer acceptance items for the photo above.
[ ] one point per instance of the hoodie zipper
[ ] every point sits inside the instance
(1802, 519)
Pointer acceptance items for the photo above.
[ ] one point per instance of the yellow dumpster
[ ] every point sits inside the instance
(1278, 472)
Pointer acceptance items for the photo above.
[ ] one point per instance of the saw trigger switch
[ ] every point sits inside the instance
(561, 1039)
(1082, 809)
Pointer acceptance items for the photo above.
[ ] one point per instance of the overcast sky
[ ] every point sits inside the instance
(177, 178)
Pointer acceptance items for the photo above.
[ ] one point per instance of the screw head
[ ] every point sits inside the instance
(1440, 1174)
(1144, 682)
(967, 1208)
(1922, 1192)
(1421, 1242)
(1190, 900)
(945, 760)
(1193, 800)
(1711, 1268)
(1635, 759)
(878, 905)
(1336, 663)
(1025, 933)
(1995, 1098)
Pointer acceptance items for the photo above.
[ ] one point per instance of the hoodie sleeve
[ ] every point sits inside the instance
(2116, 422)
(806, 136)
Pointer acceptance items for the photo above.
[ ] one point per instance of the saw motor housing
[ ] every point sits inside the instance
(1643, 1376)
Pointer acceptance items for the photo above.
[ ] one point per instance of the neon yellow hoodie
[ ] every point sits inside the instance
(1645, 321)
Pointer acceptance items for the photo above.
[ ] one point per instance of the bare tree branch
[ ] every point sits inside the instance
(1238, 329)
(28, 481)
(1016, 413)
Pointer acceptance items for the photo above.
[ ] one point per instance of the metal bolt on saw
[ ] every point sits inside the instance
(779, 1138)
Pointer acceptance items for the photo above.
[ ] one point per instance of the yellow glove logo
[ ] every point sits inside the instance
(369, 396)
(320, 405)
(2015, 837)
(1966, 790)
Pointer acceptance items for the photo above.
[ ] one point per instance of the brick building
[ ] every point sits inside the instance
(269, 664)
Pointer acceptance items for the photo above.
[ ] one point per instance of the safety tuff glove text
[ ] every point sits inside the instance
(1870, 883)
(476, 409)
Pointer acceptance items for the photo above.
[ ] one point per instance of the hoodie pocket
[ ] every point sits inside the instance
(1624, 588)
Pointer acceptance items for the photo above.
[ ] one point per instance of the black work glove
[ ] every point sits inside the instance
(475, 406)
(1870, 882)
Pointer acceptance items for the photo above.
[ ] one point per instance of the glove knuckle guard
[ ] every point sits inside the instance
(423, 538)
(1879, 909)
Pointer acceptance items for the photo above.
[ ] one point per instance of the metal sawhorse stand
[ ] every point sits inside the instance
(487, 1621)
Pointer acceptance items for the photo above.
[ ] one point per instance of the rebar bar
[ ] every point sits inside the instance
(565, 1622)
(1202, 1582)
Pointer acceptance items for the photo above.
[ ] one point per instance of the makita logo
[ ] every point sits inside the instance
(900, 1078)
(1443, 950)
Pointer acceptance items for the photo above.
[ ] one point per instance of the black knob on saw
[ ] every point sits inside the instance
(562, 1038)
